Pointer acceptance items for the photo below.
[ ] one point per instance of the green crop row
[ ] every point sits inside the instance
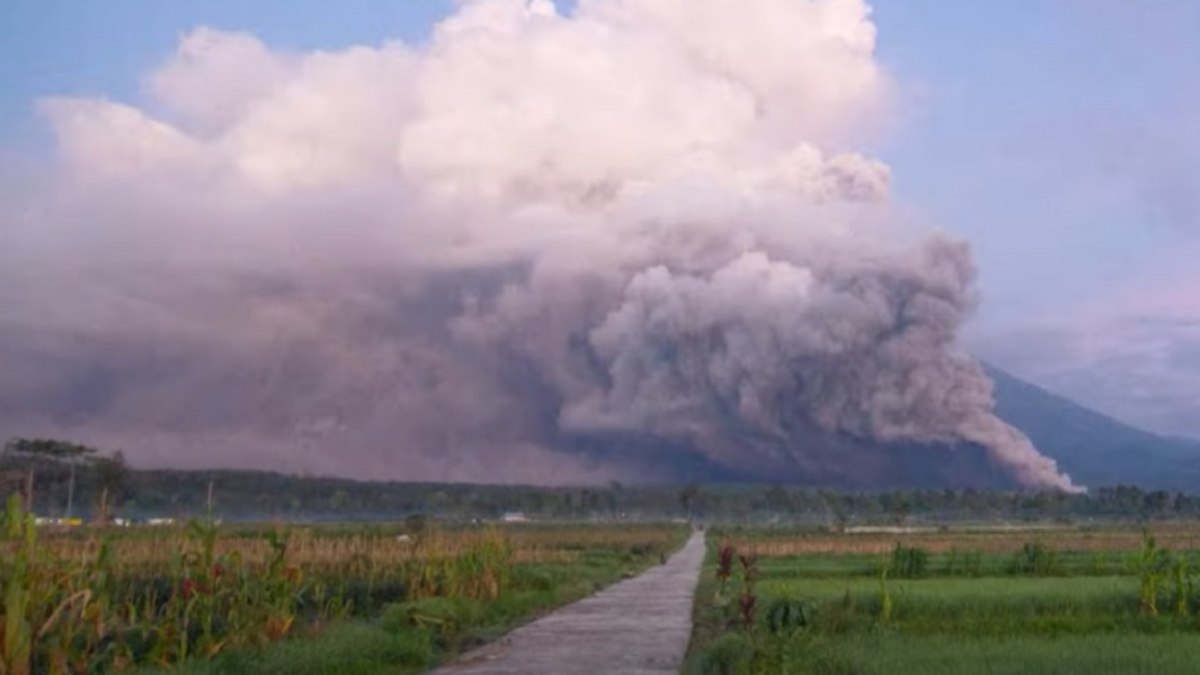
(865, 614)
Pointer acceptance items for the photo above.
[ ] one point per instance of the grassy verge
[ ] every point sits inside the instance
(709, 621)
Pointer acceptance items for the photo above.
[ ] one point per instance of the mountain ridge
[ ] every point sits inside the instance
(1094, 448)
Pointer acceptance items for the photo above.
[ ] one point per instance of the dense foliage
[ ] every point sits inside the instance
(260, 495)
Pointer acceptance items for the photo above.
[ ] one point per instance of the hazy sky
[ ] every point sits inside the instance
(1060, 137)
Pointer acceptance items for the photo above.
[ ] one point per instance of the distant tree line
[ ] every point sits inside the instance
(61, 477)
(55, 477)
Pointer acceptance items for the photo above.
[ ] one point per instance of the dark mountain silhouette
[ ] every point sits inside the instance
(1094, 448)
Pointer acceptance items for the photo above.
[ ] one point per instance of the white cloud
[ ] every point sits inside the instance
(1134, 353)
(430, 244)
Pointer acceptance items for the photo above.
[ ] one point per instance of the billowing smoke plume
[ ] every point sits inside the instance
(638, 222)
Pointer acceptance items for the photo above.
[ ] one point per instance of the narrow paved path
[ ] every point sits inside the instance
(639, 626)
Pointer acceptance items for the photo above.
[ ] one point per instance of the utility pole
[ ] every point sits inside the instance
(104, 506)
(71, 489)
(29, 491)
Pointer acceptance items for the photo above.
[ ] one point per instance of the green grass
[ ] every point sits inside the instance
(353, 649)
(1078, 614)
(1011, 593)
(1096, 654)
(987, 607)
(953, 564)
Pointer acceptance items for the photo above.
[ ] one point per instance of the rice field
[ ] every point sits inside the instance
(1039, 600)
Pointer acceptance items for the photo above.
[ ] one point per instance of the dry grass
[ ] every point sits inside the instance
(313, 549)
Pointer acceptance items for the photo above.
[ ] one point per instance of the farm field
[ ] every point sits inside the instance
(1061, 600)
(208, 598)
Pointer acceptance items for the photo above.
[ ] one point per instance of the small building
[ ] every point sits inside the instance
(57, 522)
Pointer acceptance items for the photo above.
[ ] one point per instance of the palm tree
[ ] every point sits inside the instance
(40, 450)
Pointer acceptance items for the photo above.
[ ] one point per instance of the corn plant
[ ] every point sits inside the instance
(909, 562)
(1152, 564)
(885, 596)
(83, 612)
(16, 643)
(1182, 586)
(1035, 558)
(786, 616)
(110, 603)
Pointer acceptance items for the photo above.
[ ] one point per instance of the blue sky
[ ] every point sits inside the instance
(102, 48)
(1061, 137)
(1021, 135)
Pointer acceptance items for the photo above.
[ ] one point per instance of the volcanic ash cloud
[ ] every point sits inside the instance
(440, 261)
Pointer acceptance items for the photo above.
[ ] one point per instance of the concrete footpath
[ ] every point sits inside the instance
(636, 627)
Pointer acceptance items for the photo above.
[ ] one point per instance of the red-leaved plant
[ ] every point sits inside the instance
(724, 564)
(748, 602)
